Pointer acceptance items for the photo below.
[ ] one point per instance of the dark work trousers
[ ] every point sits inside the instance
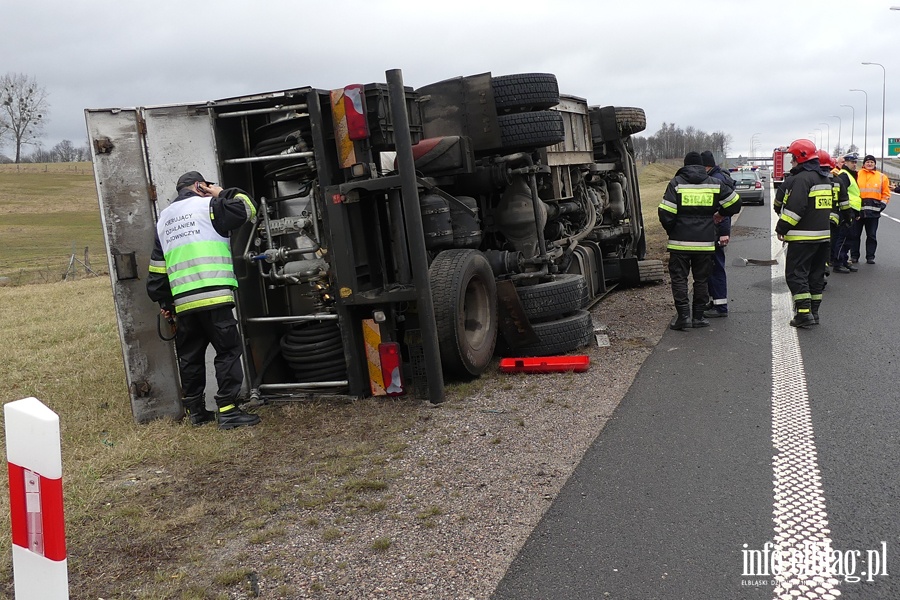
(194, 333)
(683, 263)
(871, 227)
(804, 271)
(718, 282)
(842, 238)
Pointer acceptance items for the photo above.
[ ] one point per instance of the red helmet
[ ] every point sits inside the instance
(825, 159)
(803, 150)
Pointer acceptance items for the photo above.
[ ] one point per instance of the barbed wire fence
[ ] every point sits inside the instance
(51, 267)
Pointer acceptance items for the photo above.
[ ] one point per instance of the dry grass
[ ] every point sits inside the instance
(46, 212)
(653, 180)
(165, 510)
(146, 505)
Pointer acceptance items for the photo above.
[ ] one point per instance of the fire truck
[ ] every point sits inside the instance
(403, 235)
(781, 165)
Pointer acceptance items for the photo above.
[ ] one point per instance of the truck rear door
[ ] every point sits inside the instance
(124, 144)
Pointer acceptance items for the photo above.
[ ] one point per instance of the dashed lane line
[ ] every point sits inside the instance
(800, 515)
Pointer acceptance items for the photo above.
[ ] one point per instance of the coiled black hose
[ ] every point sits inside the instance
(315, 352)
(283, 137)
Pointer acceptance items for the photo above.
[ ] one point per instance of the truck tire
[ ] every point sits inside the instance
(560, 336)
(651, 271)
(615, 122)
(531, 129)
(630, 121)
(525, 91)
(465, 311)
(561, 295)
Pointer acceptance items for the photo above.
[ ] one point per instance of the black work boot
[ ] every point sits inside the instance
(814, 310)
(698, 320)
(682, 318)
(231, 417)
(195, 409)
(803, 319)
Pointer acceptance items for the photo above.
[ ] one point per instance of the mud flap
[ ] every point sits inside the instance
(514, 324)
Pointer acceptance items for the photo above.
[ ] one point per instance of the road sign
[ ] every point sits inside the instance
(893, 146)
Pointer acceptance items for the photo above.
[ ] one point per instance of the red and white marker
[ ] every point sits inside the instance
(36, 501)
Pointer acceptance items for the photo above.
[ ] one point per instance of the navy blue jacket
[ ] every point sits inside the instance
(724, 226)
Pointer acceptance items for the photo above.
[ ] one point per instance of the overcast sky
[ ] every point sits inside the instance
(776, 69)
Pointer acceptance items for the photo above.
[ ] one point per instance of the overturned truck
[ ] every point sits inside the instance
(403, 235)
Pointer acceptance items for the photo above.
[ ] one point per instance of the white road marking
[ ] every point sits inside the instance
(800, 516)
(884, 214)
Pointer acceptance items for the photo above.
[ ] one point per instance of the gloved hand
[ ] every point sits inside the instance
(167, 311)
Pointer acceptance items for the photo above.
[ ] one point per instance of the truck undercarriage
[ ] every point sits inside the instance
(403, 235)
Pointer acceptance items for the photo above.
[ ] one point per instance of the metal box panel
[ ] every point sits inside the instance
(461, 106)
(129, 220)
(576, 148)
(179, 139)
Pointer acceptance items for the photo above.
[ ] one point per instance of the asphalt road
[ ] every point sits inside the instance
(741, 442)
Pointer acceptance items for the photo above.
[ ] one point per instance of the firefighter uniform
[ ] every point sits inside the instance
(192, 275)
(804, 223)
(843, 234)
(686, 213)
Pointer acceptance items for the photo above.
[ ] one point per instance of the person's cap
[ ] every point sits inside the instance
(868, 158)
(190, 178)
(852, 157)
(692, 158)
(707, 158)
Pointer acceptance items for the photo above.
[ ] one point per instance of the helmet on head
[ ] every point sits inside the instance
(825, 159)
(803, 150)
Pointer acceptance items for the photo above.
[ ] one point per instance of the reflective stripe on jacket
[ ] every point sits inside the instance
(687, 208)
(808, 198)
(875, 191)
(197, 258)
(852, 189)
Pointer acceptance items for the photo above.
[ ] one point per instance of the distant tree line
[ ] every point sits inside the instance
(65, 151)
(672, 142)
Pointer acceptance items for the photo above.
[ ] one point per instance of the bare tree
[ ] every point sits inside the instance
(23, 106)
(64, 151)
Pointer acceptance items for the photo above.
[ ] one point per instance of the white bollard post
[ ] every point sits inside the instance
(36, 501)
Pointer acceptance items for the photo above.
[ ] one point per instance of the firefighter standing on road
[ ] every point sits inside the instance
(845, 172)
(686, 212)
(718, 280)
(192, 277)
(840, 206)
(804, 224)
(875, 191)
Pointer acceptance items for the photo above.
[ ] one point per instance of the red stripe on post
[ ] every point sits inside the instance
(53, 519)
(53, 523)
(17, 512)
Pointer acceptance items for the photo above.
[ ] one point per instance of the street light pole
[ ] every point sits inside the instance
(840, 125)
(828, 143)
(852, 122)
(883, 87)
(866, 121)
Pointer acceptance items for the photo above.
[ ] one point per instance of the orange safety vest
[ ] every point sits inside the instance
(873, 185)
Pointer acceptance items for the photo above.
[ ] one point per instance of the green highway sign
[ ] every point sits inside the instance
(893, 146)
